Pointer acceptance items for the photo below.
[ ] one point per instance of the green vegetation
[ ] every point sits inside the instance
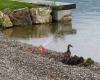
(88, 62)
(14, 4)
(55, 6)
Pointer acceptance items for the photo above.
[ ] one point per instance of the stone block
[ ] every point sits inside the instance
(41, 15)
(20, 17)
(5, 20)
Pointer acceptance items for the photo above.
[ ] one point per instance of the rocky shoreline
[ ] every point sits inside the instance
(19, 61)
(29, 16)
(25, 16)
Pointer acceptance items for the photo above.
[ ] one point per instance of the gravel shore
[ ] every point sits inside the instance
(19, 61)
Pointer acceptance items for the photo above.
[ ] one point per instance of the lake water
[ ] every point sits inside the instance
(83, 33)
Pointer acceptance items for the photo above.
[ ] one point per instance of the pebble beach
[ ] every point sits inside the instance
(19, 61)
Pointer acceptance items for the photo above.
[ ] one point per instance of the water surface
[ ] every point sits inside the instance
(86, 21)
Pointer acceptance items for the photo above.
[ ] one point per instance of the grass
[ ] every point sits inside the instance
(14, 4)
(88, 62)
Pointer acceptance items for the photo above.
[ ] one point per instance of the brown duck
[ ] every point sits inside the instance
(62, 56)
(67, 54)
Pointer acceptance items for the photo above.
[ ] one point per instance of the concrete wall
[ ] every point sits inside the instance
(57, 15)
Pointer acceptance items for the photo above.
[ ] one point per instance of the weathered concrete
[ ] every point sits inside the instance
(61, 15)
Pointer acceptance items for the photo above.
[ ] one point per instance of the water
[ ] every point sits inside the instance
(86, 21)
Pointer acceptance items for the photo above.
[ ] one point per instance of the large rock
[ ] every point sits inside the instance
(5, 20)
(20, 17)
(41, 15)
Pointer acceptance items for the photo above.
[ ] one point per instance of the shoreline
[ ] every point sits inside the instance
(17, 60)
(17, 13)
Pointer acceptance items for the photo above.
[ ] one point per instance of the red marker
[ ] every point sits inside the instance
(41, 49)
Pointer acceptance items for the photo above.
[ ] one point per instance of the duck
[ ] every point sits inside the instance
(75, 60)
(67, 54)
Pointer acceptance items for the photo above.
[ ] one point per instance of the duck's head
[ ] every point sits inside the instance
(69, 45)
